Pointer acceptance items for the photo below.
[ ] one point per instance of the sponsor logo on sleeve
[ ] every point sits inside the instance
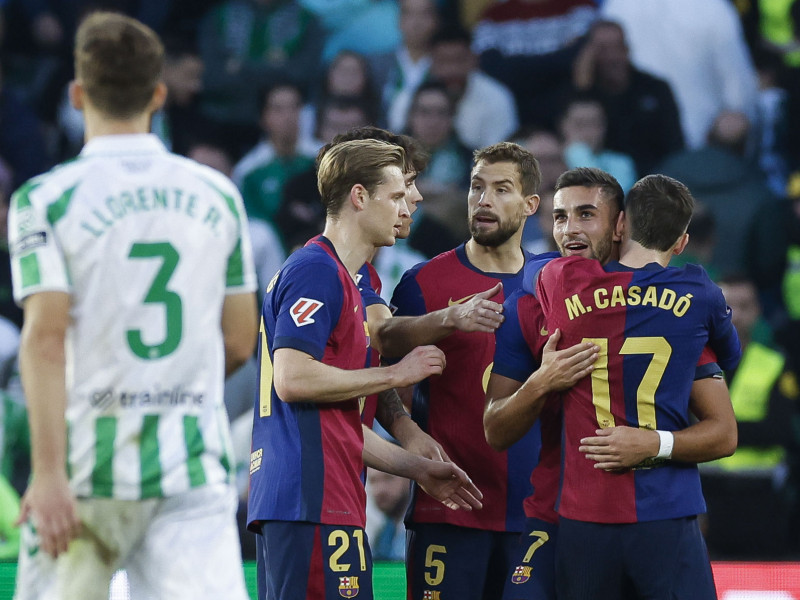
(303, 310)
(31, 241)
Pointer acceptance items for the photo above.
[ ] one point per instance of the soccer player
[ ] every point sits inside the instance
(587, 205)
(635, 528)
(398, 336)
(465, 555)
(309, 446)
(134, 269)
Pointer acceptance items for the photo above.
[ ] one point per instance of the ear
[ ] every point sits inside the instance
(680, 245)
(531, 204)
(75, 92)
(358, 196)
(159, 97)
(619, 226)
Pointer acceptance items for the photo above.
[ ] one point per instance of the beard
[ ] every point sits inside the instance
(505, 231)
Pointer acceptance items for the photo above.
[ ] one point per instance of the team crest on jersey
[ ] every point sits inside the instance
(348, 587)
(303, 310)
(431, 595)
(521, 574)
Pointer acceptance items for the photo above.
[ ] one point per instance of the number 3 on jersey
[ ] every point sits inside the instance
(159, 294)
(661, 351)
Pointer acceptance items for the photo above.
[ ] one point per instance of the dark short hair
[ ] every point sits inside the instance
(118, 62)
(528, 167)
(590, 177)
(658, 209)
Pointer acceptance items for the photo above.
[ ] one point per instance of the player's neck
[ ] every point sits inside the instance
(635, 255)
(351, 247)
(98, 125)
(505, 258)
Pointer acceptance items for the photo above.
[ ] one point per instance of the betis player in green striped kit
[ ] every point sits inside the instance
(134, 269)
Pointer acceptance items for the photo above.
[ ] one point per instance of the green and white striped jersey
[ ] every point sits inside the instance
(147, 244)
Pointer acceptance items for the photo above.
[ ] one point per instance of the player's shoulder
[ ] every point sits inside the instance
(213, 178)
(52, 184)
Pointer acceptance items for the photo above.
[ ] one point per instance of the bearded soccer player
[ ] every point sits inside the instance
(528, 368)
(635, 529)
(466, 556)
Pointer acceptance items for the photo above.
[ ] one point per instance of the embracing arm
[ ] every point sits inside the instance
(512, 407)
(713, 436)
(48, 499)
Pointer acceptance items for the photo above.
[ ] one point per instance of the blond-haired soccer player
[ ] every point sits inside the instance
(134, 269)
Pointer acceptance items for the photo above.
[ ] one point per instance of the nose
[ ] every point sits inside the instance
(402, 209)
(484, 199)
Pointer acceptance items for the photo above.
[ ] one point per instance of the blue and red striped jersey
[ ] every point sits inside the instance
(652, 325)
(306, 458)
(449, 406)
(369, 286)
(519, 343)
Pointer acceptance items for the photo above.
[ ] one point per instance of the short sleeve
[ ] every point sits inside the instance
(407, 300)
(513, 357)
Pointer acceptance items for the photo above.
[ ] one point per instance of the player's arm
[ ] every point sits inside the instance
(443, 481)
(394, 418)
(512, 407)
(396, 336)
(48, 499)
(299, 377)
(713, 436)
(239, 329)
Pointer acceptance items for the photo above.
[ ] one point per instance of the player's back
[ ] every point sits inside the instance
(147, 244)
(651, 325)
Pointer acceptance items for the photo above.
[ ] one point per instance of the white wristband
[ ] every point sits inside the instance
(665, 442)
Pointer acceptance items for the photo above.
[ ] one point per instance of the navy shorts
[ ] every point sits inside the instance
(446, 561)
(658, 560)
(533, 566)
(305, 561)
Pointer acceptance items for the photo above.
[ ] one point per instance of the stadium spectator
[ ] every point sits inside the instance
(732, 187)
(698, 48)
(430, 123)
(583, 125)
(280, 155)
(387, 497)
(642, 117)
(747, 493)
(247, 45)
(530, 47)
(486, 112)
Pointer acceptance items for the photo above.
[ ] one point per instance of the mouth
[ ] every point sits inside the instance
(575, 247)
(484, 218)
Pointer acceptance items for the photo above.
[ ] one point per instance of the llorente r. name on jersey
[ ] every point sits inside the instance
(147, 269)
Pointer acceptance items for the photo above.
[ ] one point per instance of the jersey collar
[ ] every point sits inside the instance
(122, 145)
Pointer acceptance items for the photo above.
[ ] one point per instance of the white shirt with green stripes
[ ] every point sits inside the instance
(147, 244)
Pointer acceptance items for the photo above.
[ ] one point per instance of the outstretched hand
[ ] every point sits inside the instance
(478, 313)
(450, 485)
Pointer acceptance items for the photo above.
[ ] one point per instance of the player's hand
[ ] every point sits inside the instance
(564, 368)
(450, 485)
(478, 313)
(50, 504)
(620, 447)
(421, 362)
(420, 443)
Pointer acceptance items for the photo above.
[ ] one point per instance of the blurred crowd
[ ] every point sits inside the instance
(700, 91)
